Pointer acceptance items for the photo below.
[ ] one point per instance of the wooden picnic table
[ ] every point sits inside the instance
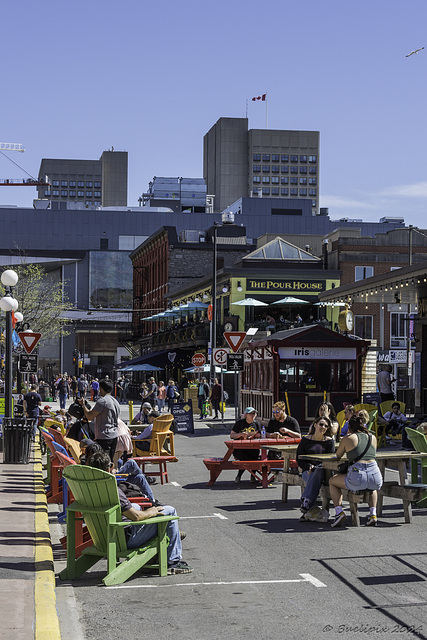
(406, 492)
(260, 469)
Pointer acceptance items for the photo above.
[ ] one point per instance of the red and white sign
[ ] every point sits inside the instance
(29, 340)
(220, 356)
(235, 339)
(198, 360)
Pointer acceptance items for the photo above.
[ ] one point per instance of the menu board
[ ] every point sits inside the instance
(183, 415)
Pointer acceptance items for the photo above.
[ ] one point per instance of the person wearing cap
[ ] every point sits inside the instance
(142, 416)
(247, 428)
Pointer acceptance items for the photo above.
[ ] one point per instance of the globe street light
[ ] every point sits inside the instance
(8, 304)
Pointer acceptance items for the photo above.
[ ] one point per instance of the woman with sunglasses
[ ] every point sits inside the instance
(326, 409)
(282, 424)
(318, 440)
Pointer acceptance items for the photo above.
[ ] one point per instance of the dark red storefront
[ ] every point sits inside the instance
(308, 364)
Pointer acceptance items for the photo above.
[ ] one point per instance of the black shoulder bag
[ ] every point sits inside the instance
(343, 467)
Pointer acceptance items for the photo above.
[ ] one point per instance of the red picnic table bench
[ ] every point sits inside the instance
(260, 469)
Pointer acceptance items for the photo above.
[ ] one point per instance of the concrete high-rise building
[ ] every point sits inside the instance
(102, 182)
(240, 162)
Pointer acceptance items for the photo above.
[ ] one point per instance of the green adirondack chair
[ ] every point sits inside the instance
(419, 442)
(97, 499)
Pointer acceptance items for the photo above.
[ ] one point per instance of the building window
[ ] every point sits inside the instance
(72, 183)
(275, 157)
(398, 332)
(303, 192)
(303, 169)
(294, 169)
(275, 168)
(303, 158)
(294, 158)
(284, 192)
(55, 192)
(89, 184)
(303, 180)
(47, 192)
(266, 168)
(97, 184)
(256, 179)
(294, 180)
(274, 191)
(313, 204)
(266, 179)
(312, 192)
(81, 194)
(72, 194)
(285, 169)
(266, 191)
(275, 180)
(255, 191)
(64, 183)
(312, 158)
(64, 194)
(361, 273)
(88, 194)
(284, 180)
(256, 157)
(103, 244)
(55, 183)
(97, 194)
(363, 327)
(97, 203)
(256, 168)
(81, 185)
(294, 192)
(312, 181)
(284, 158)
(266, 157)
(312, 170)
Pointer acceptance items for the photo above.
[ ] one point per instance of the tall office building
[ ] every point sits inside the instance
(100, 182)
(240, 162)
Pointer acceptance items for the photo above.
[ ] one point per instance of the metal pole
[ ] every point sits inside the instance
(236, 394)
(213, 323)
(222, 394)
(8, 367)
(410, 243)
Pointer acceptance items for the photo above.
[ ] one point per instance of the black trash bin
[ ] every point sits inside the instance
(17, 433)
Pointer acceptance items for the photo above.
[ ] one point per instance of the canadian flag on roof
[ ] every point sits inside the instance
(262, 98)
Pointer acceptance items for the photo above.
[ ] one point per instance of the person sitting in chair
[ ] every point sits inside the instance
(146, 434)
(395, 419)
(137, 536)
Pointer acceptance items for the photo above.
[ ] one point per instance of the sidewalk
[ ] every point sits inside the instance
(27, 579)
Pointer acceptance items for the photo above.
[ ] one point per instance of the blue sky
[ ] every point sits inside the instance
(152, 78)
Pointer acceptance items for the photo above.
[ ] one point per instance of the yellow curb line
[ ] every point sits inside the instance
(46, 614)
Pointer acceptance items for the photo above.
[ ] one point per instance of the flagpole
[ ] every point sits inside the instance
(246, 108)
(266, 112)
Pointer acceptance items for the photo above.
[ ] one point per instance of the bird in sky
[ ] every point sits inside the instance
(412, 52)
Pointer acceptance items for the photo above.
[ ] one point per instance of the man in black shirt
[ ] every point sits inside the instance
(247, 428)
(282, 424)
(32, 401)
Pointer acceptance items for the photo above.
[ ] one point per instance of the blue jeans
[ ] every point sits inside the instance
(160, 404)
(62, 400)
(137, 477)
(313, 481)
(142, 533)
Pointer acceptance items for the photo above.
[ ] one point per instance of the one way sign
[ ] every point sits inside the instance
(29, 340)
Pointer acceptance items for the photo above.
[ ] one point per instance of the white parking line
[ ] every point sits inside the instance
(175, 484)
(306, 577)
(214, 515)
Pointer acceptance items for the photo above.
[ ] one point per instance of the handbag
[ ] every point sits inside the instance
(344, 466)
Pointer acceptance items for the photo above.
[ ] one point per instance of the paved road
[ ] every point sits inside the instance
(258, 571)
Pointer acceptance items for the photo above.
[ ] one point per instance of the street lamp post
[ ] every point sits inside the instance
(8, 304)
(213, 321)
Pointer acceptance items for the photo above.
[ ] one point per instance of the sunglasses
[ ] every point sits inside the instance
(277, 411)
(322, 424)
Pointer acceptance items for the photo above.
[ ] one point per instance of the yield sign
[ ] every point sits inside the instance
(29, 340)
(234, 339)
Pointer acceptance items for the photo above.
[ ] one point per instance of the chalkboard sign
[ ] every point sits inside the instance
(372, 398)
(183, 415)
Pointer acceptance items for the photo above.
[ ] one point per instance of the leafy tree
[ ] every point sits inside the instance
(41, 299)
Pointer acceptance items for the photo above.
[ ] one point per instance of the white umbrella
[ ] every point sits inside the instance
(250, 302)
(291, 300)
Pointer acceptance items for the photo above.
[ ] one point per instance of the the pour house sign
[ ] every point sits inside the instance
(309, 286)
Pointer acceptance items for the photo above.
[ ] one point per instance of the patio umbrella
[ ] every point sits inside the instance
(193, 306)
(250, 302)
(140, 367)
(291, 300)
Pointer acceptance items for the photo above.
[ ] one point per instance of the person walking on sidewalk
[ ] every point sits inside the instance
(203, 392)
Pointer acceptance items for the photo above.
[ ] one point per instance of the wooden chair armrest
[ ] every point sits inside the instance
(154, 520)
